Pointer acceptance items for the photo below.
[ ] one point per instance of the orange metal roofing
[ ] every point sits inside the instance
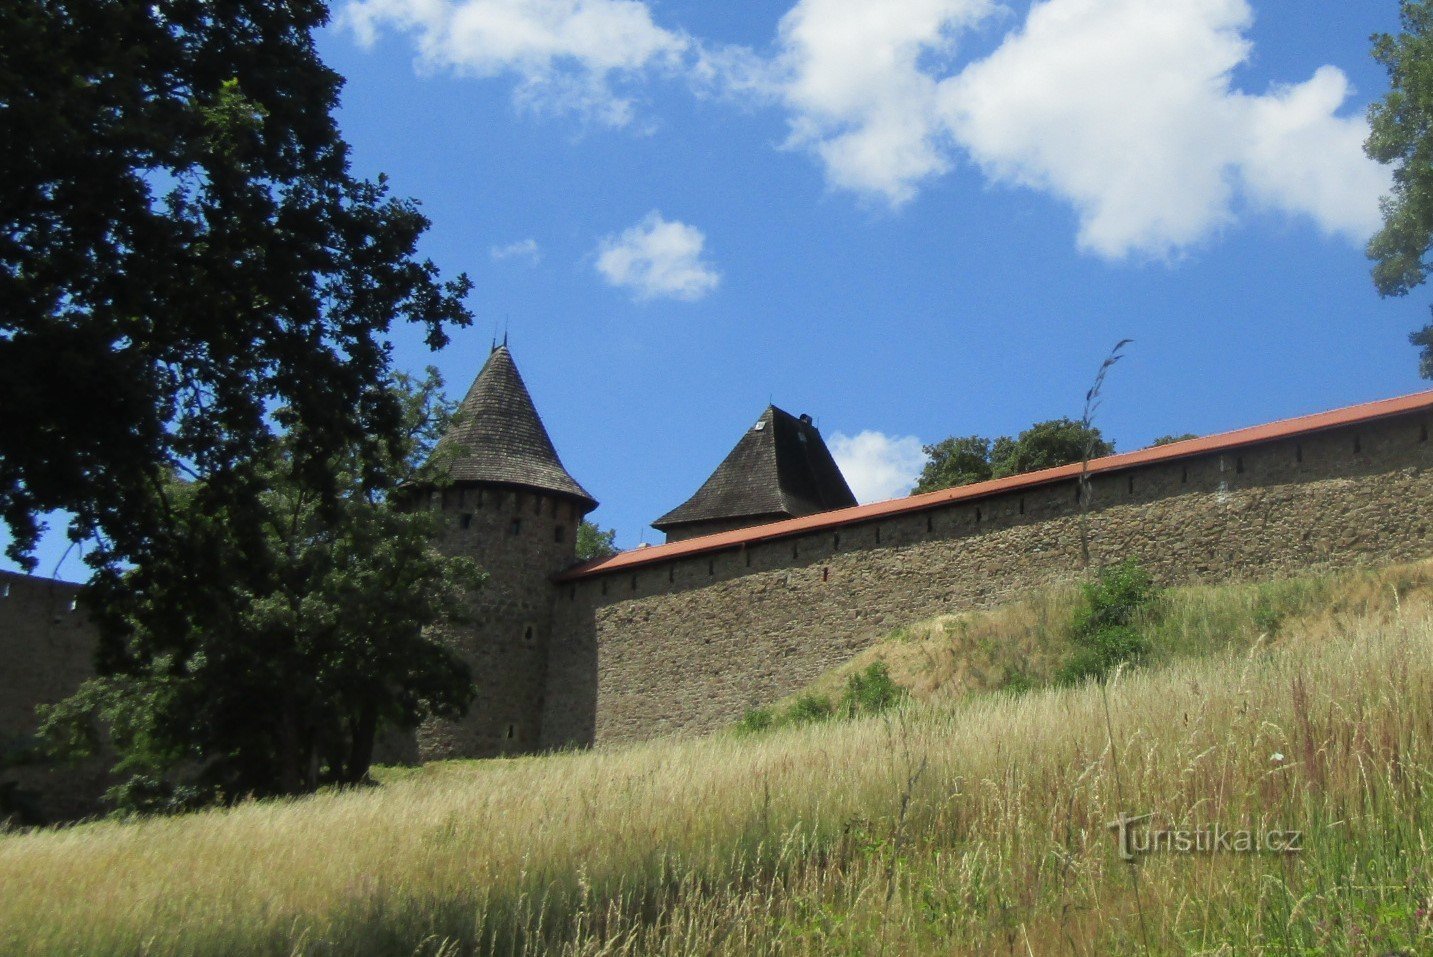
(1285, 428)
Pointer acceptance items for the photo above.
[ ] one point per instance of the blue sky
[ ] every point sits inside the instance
(909, 218)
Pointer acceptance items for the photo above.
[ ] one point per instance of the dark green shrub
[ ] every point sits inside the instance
(1104, 628)
(808, 709)
(756, 721)
(871, 691)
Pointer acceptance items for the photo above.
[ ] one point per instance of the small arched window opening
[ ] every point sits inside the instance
(515, 527)
(528, 633)
(511, 732)
(465, 520)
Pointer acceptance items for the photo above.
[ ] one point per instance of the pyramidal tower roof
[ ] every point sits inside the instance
(499, 437)
(781, 468)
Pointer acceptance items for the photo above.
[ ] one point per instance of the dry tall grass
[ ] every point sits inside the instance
(976, 826)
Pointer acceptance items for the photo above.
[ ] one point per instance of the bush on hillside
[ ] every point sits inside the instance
(1104, 628)
(870, 691)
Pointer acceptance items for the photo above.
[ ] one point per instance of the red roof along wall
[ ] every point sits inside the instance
(1224, 441)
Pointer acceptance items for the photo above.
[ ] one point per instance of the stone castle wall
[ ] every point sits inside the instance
(47, 646)
(521, 539)
(687, 645)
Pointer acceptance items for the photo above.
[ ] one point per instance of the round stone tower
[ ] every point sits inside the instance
(514, 510)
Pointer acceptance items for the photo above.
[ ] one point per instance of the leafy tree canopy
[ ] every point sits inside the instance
(964, 461)
(1401, 136)
(185, 250)
(594, 542)
(1171, 439)
(236, 664)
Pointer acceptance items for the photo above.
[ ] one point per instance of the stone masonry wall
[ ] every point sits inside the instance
(687, 645)
(47, 645)
(520, 538)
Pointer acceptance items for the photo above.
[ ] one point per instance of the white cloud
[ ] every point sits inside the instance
(524, 249)
(878, 466)
(658, 259)
(854, 75)
(1125, 109)
(567, 55)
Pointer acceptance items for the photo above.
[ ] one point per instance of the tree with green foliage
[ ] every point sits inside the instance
(1104, 627)
(1046, 445)
(594, 542)
(1401, 136)
(954, 461)
(1171, 439)
(969, 459)
(187, 262)
(235, 665)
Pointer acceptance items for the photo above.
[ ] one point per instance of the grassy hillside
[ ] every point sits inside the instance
(968, 823)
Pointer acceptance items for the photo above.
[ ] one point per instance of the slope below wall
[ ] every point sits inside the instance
(687, 645)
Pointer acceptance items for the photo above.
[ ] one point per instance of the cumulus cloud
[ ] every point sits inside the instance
(1125, 109)
(658, 259)
(857, 77)
(567, 55)
(878, 466)
(525, 250)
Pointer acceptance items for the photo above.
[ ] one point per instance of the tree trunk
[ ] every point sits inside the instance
(360, 754)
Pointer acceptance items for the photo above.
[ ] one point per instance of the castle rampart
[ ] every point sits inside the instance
(683, 638)
(649, 645)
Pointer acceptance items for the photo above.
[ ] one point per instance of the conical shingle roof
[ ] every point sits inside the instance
(499, 437)
(781, 468)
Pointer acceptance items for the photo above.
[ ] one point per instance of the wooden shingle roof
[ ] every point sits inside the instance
(499, 437)
(781, 468)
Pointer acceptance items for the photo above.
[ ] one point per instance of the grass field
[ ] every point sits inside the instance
(973, 821)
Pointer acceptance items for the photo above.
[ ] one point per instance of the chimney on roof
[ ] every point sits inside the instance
(805, 418)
